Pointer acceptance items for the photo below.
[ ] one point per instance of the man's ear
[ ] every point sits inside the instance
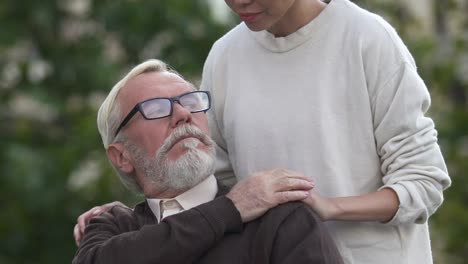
(119, 156)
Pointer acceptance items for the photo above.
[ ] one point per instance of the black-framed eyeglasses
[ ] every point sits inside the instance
(160, 107)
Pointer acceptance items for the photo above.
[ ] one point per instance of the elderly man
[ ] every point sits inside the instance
(155, 132)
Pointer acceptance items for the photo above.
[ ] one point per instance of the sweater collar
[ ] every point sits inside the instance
(302, 35)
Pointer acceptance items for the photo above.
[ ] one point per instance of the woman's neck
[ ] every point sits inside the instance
(298, 15)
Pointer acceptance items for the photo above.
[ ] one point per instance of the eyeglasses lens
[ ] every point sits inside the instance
(161, 107)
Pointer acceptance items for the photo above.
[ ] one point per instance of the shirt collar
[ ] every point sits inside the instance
(201, 193)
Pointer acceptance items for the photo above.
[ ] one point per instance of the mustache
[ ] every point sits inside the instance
(184, 132)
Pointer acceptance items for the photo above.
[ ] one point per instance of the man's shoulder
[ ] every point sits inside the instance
(124, 219)
(121, 214)
(121, 211)
(292, 211)
(286, 221)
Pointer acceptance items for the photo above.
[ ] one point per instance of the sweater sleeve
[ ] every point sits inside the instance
(406, 140)
(411, 161)
(223, 171)
(116, 237)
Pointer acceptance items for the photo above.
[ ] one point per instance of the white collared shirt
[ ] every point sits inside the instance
(201, 193)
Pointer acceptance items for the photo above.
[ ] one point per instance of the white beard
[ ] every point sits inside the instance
(185, 172)
(188, 170)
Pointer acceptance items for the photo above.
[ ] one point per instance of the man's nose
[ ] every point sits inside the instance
(180, 115)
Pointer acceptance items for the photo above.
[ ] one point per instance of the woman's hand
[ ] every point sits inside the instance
(264, 190)
(326, 208)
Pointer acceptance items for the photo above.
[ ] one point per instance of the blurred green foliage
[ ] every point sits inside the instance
(58, 59)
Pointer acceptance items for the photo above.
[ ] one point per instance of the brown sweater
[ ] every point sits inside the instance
(209, 233)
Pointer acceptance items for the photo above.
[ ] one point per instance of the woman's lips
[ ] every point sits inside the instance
(248, 17)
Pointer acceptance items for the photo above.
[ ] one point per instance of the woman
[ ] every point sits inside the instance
(330, 90)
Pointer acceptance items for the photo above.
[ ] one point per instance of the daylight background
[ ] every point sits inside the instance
(58, 59)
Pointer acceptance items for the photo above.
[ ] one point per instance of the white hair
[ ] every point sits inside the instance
(109, 115)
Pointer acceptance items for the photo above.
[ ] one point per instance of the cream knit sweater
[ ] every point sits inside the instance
(341, 101)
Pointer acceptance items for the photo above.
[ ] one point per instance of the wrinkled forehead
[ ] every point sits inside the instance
(150, 85)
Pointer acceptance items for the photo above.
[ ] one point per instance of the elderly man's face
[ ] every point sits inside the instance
(174, 153)
(151, 134)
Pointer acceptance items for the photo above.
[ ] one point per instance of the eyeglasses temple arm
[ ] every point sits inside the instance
(127, 118)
